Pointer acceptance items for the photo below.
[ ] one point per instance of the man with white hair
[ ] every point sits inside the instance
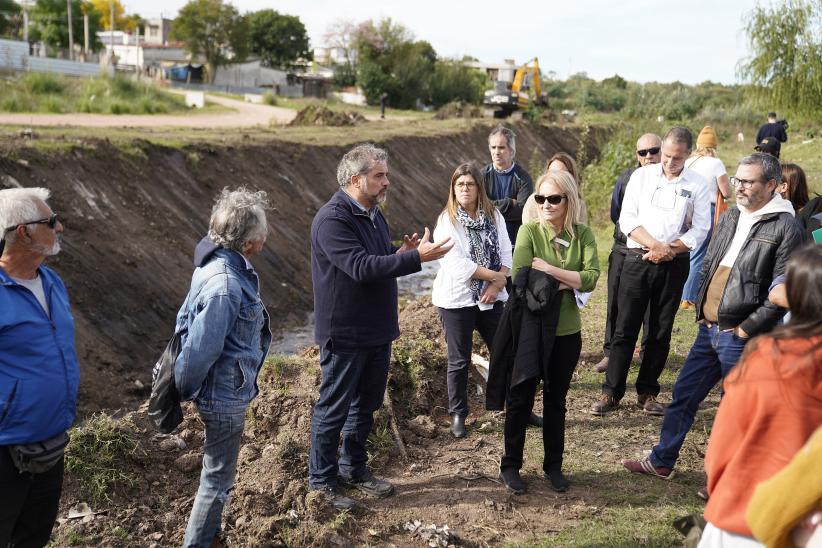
(225, 338)
(39, 373)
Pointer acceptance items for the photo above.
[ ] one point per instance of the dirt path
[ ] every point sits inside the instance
(245, 115)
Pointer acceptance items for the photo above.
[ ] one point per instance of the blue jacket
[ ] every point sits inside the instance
(225, 330)
(354, 269)
(39, 373)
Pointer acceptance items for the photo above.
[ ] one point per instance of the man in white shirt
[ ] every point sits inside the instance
(665, 214)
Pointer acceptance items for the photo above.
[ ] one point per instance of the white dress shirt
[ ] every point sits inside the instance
(670, 210)
(452, 286)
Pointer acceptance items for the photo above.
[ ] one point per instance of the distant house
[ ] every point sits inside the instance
(157, 31)
(496, 72)
(250, 74)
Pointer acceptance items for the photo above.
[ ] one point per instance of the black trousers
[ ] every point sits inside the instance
(459, 325)
(28, 504)
(643, 286)
(557, 378)
(615, 261)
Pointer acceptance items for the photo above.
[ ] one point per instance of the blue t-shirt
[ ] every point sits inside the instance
(502, 185)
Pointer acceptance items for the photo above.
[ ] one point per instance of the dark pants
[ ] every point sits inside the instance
(351, 391)
(643, 286)
(712, 356)
(520, 401)
(28, 503)
(459, 325)
(615, 260)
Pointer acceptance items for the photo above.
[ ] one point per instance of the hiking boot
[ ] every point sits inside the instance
(649, 404)
(645, 466)
(686, 305)
(559, 482)
(369, 485)
(535, 420)
(457, 425)
(333, 497)
(605, 404)
(602, 365)
(512, 480)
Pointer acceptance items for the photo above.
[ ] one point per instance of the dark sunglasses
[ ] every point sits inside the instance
(553, 199)
(653, 151)
(51, 222)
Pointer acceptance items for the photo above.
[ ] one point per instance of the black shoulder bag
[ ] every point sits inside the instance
(164, 408)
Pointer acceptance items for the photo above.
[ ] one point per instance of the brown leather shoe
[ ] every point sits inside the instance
(645, 466)
(650, 405)
(602, 365)
(605, 404)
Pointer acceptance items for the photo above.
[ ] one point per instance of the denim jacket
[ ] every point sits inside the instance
(225, 331)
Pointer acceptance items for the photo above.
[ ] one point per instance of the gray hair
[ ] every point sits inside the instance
(510, 136)
(238, 217)
(18, 206)
(359, 161)
(681, 135)
(769, 164)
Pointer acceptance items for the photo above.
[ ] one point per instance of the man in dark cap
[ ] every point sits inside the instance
(769, 145)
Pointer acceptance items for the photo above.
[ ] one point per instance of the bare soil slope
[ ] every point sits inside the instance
(135, 212)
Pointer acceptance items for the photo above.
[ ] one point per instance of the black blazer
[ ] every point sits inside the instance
(525, 335)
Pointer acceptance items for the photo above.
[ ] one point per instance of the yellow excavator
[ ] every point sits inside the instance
(524, 91)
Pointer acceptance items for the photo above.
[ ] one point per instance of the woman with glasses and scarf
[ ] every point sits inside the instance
(469, 289)
(563, 248)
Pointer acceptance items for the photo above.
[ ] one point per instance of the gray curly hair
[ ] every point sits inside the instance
(238, 216)
(358, 161)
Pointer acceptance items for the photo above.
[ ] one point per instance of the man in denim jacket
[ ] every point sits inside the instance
(39, 373)
(225, 340)
(354, 269)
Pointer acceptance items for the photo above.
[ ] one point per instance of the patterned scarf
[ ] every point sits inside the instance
(483, 241)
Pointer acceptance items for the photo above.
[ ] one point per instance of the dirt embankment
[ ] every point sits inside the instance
(134, 214)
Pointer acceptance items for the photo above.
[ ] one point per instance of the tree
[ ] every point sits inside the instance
(49, 23)
(786, 61)
(103, 7)
(9, 17)
(278, 39)
(214, 30)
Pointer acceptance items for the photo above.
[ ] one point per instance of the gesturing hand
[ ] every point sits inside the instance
(431, 251)
(409, 243)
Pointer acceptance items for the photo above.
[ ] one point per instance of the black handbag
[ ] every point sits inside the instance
(164, 408)
(40, 456)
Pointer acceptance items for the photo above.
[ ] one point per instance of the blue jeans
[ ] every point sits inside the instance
(351, 391)
(223, 433)
(712, 356)
(691, 289)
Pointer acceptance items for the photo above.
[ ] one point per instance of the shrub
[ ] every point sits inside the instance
(269, 99)
(45, 83)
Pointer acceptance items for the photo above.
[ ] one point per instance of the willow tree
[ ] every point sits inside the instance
(786, 61)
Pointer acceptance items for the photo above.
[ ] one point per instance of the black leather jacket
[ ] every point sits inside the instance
(744, 302)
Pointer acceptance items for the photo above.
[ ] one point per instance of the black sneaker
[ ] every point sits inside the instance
(369, 485)
(559, 483)
(512, 480)
(535, 420)
(335, 499)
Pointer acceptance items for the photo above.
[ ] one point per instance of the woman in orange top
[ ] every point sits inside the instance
(772, 405)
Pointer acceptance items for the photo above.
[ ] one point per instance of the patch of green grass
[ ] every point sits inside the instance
(98, 456)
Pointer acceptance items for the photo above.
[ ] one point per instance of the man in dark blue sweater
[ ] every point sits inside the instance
(354, 268)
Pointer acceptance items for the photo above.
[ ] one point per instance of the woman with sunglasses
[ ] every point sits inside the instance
(560, 246)
(469, 289)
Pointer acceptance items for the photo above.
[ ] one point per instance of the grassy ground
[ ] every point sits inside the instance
(334, 104)
(53, 94)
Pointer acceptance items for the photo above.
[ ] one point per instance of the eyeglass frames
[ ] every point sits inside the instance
(51, 222)
(653, 151)
(552, 199)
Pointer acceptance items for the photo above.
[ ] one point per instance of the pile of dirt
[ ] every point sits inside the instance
(458, 109)
(317, 115)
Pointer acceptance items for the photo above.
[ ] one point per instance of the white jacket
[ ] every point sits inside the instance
(452, 284)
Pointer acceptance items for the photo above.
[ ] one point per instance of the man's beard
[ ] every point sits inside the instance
(47, 251)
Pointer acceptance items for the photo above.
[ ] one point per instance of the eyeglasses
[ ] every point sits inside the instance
(470, 184)
(653, 151)
(742, 183)
(553, 199)
(51, 222)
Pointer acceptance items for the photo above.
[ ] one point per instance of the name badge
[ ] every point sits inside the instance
(685, 193)
(560, 241)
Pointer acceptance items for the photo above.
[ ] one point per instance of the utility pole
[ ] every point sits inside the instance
(111, 22)
(85, 35)
(26, 22)
(71, 33)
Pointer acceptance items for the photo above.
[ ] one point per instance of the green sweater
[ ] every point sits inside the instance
(536, 240)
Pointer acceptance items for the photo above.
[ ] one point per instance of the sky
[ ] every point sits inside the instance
(642, 41)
